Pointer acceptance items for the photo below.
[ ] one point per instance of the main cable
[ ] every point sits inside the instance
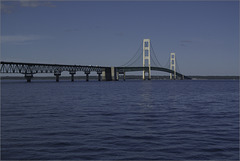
(167, 65)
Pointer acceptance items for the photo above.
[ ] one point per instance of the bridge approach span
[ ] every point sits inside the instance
(28, 69)
(17, 67)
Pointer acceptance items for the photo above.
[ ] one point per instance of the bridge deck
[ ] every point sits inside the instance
(32, 68)
(132, 69)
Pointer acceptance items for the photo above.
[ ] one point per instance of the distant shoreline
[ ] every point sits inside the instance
(127, 77)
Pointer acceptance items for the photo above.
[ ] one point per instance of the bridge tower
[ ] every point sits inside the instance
(172, 65)
(146, 58)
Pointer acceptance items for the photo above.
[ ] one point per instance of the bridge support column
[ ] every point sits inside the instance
(122, 72)
(106, 75)
(72, 75)
(57, 74)
(28, 76)
(149, 75)
(114, 73)
(103, 76)
(87, 75)
(117, 76)
(99, 75)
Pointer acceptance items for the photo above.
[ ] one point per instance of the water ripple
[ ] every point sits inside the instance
(134, 120)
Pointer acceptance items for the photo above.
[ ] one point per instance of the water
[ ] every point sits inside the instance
(164, 120)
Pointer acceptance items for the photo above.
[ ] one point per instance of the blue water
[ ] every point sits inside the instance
(158, 119)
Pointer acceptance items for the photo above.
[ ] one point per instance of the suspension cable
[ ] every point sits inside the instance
(133, 56)
(178, 69)
(167, 65)
(155, 56)
(154, 62)
(139, 56)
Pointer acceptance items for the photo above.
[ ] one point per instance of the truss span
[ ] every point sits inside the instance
(16, 67)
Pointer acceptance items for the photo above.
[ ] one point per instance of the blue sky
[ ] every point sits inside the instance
(204, 35)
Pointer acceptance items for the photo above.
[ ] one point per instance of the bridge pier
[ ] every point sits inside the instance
(182, 77)
(57, 74)
(28, 76)
(114, 73)
(117, 76)
(106, 74)
(72, 75)
(99, 75)
(124, 75)
(149, 75)
(87, 75)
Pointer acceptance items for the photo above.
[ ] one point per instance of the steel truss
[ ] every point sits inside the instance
(33, 68)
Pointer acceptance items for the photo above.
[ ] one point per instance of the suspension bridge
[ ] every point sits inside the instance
(144, 60)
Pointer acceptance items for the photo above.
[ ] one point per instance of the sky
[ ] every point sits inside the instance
(204, 35)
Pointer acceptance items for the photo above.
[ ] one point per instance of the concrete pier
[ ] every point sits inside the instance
(117, 76)
(106, 74)
(28, 76)
(99, 75)
(182, 77)
(149, 76)
(57, 74)
(87, 75)
(72, 75)
(114, 73)
(121, 72)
